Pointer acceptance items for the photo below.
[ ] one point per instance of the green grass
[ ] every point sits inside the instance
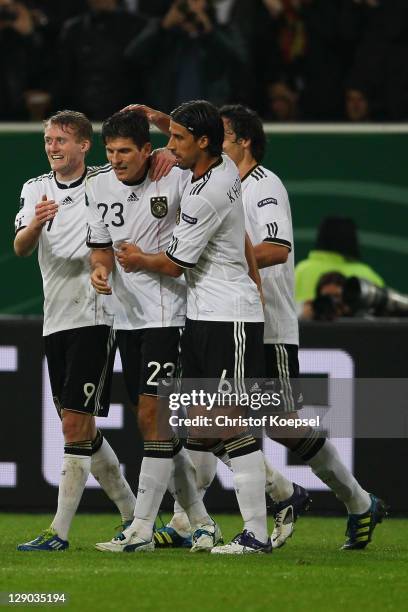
(309, 573)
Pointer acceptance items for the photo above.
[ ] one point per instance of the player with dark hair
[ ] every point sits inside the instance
(131, 125)
(246, 125)
(124, 207)
(201, 119)
(79, 340)
(269, 225)
(224, 327)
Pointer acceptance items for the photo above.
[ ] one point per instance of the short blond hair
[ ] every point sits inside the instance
(74, 119)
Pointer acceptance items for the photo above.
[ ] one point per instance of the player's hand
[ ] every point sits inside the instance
(45, 211)
(155, 117)
(150, 113)
(162, 161)
(99, 280)
(128, 256)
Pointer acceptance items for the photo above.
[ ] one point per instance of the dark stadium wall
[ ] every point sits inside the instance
(327, 171)
(31, 443)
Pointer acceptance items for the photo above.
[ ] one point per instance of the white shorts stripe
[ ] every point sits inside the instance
(239, 364)
(109, 346)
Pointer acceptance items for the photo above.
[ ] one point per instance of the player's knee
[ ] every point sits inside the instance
(77, 426)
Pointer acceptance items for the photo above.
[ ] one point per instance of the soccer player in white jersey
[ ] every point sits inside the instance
(125, 206)
(79, 340)
(223, 336)
(269, 225)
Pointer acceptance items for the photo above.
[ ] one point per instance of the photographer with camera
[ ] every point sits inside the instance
(328, 303)
(337, 249)
(188, 56)
(338, 296)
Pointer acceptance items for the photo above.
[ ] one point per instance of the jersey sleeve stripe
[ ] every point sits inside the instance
(182, 264)
(49, 176)
(272, 229)
(98, 245)
(280, 241)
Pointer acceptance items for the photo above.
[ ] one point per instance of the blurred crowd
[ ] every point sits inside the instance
(292, 60)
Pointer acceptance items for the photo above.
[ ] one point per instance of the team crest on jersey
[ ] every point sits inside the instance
(159, 206)
(178, 215)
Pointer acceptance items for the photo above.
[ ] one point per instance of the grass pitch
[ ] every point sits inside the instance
(308, 573)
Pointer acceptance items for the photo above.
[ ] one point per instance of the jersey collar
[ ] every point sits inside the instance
(214, 165)
(249, 172)
(70, 185)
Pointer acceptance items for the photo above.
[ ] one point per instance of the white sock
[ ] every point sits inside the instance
(327, 466)
(249, 482)
(183, 487)
(153, 480)
(106, 469)
(74, 474)
(277, 486)
(205, 464)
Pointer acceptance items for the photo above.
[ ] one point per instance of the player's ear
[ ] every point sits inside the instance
(245, 142)
(203, 142)
(85, 146)
(147, 149)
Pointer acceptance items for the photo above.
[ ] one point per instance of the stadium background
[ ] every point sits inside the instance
(328, 170)
(345, 170)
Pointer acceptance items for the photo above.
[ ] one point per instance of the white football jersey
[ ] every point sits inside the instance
(143, 214)
(69, 298)
(268, 219)
(209, 241)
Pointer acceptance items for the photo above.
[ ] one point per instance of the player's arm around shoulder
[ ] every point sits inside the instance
(162, 162)
(27, 236)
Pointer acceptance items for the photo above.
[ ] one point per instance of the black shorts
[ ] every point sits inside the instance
(148, 355)
(282, 366)
(230, 350)
(80, 366)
